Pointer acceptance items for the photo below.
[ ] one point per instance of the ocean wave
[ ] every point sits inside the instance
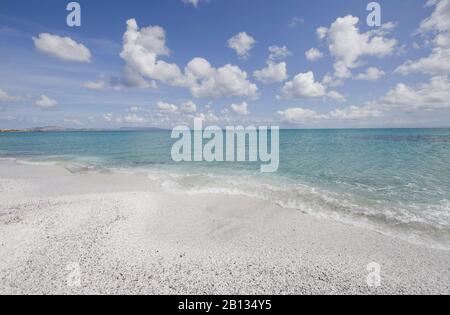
(71, 163)
(37, 163)
(429, 225)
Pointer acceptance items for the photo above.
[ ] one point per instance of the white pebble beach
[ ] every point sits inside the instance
(128, 236)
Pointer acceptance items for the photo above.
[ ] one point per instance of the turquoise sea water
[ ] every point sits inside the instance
(396, 181)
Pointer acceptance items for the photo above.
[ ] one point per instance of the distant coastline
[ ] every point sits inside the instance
(155, 129)
(62, 129)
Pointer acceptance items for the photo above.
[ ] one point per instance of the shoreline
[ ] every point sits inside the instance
(127, 237)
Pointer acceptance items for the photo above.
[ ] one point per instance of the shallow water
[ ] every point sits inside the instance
(394, 180)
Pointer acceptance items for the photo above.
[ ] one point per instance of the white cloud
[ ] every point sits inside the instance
(205, 81)
(63, 48)
(371, 74)
(336, 96)
(279, 53)
(141, 50)
(331, 80)
(321, 32)
(130, 79)
(192, 2)
(208, 115)
(272, 73)
(95, 85)
(299, 115)
(46, 102)
(355, 113)
(432, 95)
(240, 109)
(438, 62)
(167, 108)
(135, 109)
(303, 86)
(133, 119)
(440, 19)
(5, 97)
(425, 98)
(347, 44)
(188, 107)
(295, 21)
(314, 54)
(242, 43)
(109, 117)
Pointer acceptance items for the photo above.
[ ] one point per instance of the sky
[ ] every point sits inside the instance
(162, 63)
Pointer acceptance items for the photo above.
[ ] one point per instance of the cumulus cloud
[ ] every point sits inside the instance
(143, 47)
(188, 107)
(242, 43)
(208, 115)
(439, 20)
(331, 80)
(46, 102)
(438, 62)
(127, 79)
(5, 97)
(135, 109)
(167, 108)
(192, 2)
(314, 54)
(321, 32)
(205, 81)
(95, 85)
(432, 95)
(424, 98)
(240, 109)
(274, 72)
(355, 113)
(134, 115)
(279, 53)
(109, 117)
(133, 119)
(371, 74)
(63, 48)
(303, 86)
(298, 115)
(336, 96)
(348, 45)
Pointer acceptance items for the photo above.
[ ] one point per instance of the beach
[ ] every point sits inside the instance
(123, 234)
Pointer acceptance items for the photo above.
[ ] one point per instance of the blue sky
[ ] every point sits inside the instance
(395, 75)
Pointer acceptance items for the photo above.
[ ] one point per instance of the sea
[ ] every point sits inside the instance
(393, 181)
